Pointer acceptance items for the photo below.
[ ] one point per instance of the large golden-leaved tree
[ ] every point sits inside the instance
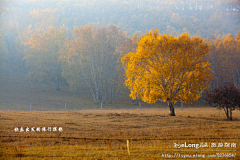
(166, 68)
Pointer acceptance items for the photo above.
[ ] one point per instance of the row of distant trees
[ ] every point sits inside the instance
(199, 17)
(87, 62)
(225, 60)
(90, 61)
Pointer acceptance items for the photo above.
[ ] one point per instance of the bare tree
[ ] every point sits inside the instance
(226, 97)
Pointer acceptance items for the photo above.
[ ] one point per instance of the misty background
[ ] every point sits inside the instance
(56, 52)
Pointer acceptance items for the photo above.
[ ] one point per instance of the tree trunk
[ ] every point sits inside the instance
(137, 101)
(230, 114)
(4, 71)
(172, 111)
(58, 89)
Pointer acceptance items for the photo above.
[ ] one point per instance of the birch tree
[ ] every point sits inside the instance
(92, 58)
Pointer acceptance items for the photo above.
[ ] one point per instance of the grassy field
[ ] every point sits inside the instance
(103, 134)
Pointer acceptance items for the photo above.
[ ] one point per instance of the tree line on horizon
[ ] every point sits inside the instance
(198, 18)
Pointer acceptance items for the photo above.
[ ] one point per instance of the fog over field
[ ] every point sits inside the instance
(38, 41)
(124, 79)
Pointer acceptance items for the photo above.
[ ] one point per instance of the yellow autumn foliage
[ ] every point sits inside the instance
(164, 67)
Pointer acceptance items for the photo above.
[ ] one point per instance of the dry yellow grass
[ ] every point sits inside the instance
(103, 134)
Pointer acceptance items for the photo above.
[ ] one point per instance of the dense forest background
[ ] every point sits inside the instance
(199, 17)
(80, 43)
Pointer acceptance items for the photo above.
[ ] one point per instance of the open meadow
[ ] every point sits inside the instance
(103, 134)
